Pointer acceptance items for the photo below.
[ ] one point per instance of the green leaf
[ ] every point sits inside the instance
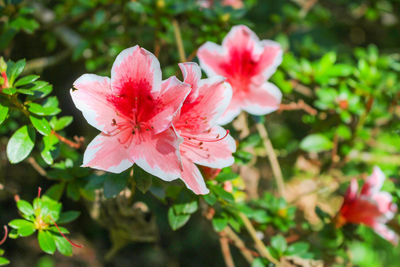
(41, 125)
(278, 242)
(298, 248)
(143, 179)
(15, 70)
(26, 80)
(3, 113)
(4, 261)
(219, 223)
(316, 143)
(55, 191)
(114, 183)
(211, 199)
(186, 208)
(63, 246)
(46, 242)
(223, 194)
(49, 150)
(258, 262)
(42, 110)
(27, 230)
(25, 207)
(61, 123)
(19, 223)
(73, 191)
(177, 221)
(68, 216)
(21, 144)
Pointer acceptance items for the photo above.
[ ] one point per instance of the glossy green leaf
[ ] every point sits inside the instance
(26, 80)
(177, 221)
(46, 242)
(68, 216)
(316, 143)
(61, 123)
(63, 246)
(21, 144)
(219, 223)
(3, 113)
(41, 125)
(278, 242)
(25, 207)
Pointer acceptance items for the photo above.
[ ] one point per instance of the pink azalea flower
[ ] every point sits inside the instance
(236, 4)
(205, 143)
(371, 207)
(134, 111)
(247, 63)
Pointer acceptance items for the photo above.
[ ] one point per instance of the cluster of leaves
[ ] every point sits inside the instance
(29, 96)
(43, 217)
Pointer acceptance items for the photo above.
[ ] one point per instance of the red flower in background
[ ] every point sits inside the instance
(205, 143)
(370, 207)
(247, 63)
(134, 111)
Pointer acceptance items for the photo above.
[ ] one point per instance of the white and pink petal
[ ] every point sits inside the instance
(135, 69)
(158, 154)
(107, 154)
(90, 95)
(192, 177)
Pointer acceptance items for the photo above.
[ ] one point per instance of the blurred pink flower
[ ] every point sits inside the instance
(247, 63)
(205, 143)
(236, 4)
(371, 207)
(134, 111)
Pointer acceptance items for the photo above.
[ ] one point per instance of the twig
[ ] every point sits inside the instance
(192, 55)
(44, 62)
(304, 90)
(209, 214)
(36, 166)
(247, 253)
(276, 169)
(226, 252)
(299, 105)
(259, 244)
(67, 141)
(178, 39)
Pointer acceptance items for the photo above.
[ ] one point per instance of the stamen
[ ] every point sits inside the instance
(206, 140)
(39, 191)
(5, 235)
(69, 241)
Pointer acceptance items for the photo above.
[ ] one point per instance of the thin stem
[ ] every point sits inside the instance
(178, 38)
(261, 248)
(67, 141)
(5, 235)
(299, 105)
(226, 252)
(239, 244)
(36, 166)
(276, 169)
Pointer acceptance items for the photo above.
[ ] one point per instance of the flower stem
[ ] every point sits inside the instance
(276, 169)
(261, 248)
(178, 38)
